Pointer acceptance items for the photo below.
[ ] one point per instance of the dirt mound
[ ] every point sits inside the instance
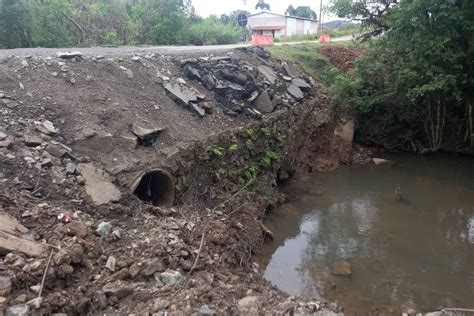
(73, 132)
(342, 57)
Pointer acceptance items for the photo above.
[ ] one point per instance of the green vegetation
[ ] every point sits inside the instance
(218, 151)
(301, 11)
(61, 23)
(281, 138)
(232, 148)
(265, 131)
(347, 30)
(315, 65)
(415, 87)
(268, 158)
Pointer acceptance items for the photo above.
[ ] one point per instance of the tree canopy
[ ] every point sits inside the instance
(262, 5)
(416, 84)
(60, 23)
(301, 11)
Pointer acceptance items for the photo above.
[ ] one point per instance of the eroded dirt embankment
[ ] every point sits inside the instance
(200, 140)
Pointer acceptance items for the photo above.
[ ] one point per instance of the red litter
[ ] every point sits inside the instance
(64, 218)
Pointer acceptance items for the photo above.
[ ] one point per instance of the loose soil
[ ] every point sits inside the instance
(342, 57)
(93, 102)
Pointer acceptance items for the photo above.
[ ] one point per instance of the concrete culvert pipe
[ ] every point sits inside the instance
(155, 186)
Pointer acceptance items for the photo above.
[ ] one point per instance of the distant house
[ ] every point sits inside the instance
(279, 25)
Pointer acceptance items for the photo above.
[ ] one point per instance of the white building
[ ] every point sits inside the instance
(279, 25)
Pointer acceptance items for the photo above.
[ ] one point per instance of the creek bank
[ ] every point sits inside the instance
(85, 125)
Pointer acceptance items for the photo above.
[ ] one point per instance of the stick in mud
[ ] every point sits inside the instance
(45, 273)
(198, 254)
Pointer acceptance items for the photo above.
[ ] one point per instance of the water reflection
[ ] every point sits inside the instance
(418, 251)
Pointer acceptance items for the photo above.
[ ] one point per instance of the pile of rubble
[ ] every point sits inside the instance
(244, 81)
(72, 240)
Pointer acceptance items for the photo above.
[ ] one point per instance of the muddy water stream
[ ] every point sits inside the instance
(417, 252)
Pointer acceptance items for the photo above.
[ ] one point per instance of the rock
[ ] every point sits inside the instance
(103, 229)
(208, 82)
(7, 142)
(76, 228)
(69, 55)
(263, 103)
(181, 81)
(11, 243)
(3, 303)
(146, 134)
(380, 161)
(118, 289)
(295, 91)
(291, 70)
(47, 128)
(111, 263)
(57, 151)
(204, 310)
(9, 224)
(5, 285)
(180, 94)
(268, 74)
(249, 305)
(70, 168)
(192, 73)
(411, 312)
(18, 310)
(32, 141)
(47, 162)
(151, 266)
(122, 274)
(35, 288)
(341, 268)
(134, 270)
(169, 277)
(20, 299)
(345, 131)
(35, 303)
(98, 185)
(136, 58)
(71, 254)
(300, 83)
(199, 110)
(3, 135)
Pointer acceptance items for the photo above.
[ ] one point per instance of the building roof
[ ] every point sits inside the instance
(268, 28)
(286, 16)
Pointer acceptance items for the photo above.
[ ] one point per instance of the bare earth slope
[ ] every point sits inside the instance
(76, 132)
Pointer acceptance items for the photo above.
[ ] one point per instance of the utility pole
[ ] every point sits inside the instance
(320, 16)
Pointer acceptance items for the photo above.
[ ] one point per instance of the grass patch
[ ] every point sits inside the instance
(314, 37)
(308, 60)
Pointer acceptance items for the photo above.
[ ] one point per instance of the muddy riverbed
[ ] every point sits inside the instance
(408, 248)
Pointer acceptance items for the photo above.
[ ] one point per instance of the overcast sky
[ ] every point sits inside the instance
(207, 7)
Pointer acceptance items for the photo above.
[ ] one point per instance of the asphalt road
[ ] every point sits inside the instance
(125, 50)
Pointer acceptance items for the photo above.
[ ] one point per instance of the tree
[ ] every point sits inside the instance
(290, 10)
(416, 81)
(372, 14)
(305, 12)
(262, 5)
(15, 25)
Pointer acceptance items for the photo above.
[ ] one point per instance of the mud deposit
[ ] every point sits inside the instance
(407, 248)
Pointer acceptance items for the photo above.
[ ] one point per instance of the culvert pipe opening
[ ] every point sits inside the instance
(156, 187)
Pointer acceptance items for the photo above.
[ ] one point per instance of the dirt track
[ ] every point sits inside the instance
(124, 50)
